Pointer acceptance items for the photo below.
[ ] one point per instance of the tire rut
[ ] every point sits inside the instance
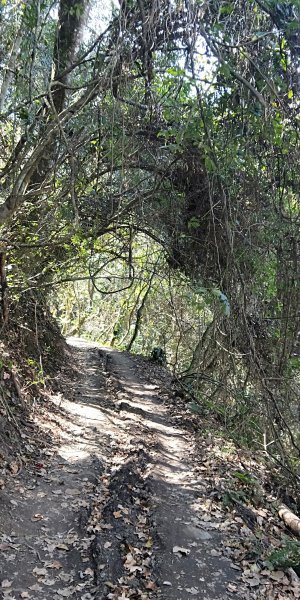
(187, 560)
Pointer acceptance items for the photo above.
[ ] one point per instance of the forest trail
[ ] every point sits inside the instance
(115, 511)
(184, 557)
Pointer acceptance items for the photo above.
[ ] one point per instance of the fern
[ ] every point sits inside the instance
(287, 556)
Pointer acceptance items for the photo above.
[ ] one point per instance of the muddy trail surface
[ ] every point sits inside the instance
(115, 509)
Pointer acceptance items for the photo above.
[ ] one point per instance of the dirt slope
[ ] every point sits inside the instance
(115, 509)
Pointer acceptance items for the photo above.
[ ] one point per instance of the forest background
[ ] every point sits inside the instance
(150, 198)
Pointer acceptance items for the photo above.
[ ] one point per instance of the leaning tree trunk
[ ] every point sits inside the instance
(139, 314)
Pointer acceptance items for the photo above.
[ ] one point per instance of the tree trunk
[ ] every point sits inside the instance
(290, 519)
(139, 314)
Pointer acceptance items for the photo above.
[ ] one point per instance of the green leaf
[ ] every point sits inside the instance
(288, 556)
(195, 408)
(223, 298)
(225, 70)
(193, 223)
(209, 163)
(176, 71)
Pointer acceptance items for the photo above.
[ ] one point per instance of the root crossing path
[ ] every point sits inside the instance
(116, 511)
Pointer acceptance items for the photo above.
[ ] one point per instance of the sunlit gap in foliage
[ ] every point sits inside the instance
(154, 307)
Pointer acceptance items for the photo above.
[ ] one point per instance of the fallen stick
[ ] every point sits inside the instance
(289, 518)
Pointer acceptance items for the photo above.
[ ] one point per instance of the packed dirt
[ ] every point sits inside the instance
(120, 505)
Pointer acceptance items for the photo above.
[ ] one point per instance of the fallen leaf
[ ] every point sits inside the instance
(109, 584)
(55, 564)
(117, 514)
(38, 572)
(65, 592)
(14, 468)
(62, 547)
(277, 575)
(65, 577)
(6, 583)
(252, 581)
(37, 517)
(36, 587)
(179, 550)
(131, 564)
(4, 547)
(49, 582)
(150, 585)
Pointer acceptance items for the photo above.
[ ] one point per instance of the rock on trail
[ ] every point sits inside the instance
(116, 511)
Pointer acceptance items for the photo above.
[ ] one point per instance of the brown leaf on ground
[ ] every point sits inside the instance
(179, 550)
(55, 564)
(37, 517)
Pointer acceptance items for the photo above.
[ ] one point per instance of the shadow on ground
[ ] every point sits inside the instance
(117, 509)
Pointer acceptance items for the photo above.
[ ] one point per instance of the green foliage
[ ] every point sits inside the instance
(110, 316)
(195, 408)
(287, 556)
(151, 195)
(244, 477)
(232, 496)
(76, 10)
(38, 377)
(213, 293)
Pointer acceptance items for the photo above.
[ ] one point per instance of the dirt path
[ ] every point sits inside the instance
(116, 511)
(187, 557)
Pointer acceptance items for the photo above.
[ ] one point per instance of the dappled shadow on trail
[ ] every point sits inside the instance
(44, 545)
(126, 504)
(145, 441)
(120, 485)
